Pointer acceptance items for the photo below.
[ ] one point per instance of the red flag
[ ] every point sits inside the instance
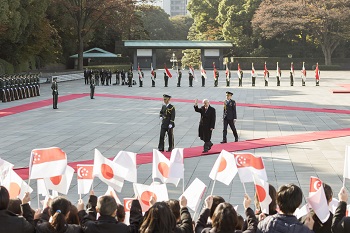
(247, 164)
(152, 72)
(214, 71)
(239, 71)
(253, 70)
(139, 71)
(265, 73)
(317, 72)
(47, 162)
(85, 177)
(167, 72)
(315, 184)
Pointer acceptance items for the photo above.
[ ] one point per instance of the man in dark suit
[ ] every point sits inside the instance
(167, 117)
(206, 124)
(54, 88)
(229, 117)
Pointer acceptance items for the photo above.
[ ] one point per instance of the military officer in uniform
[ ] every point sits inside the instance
(190, 79)
(216, 79)
(130, 76)
(206, 124)
(179, 76)
(240, 78)
(203, 80)
(228, 78)
(54, 88)
(167, 117)
(229, 117)
(92, 88)
(166, 79)
(153, 77)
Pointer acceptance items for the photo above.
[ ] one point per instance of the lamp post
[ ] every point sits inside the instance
(173, 59)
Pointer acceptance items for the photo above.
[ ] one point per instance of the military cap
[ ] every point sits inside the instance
(229, 93)
(166, 96)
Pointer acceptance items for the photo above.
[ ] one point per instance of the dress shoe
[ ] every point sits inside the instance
(223, 141)
(161, 150)
(210, 145)
(236, 140)
(169, 150)
(205, 151)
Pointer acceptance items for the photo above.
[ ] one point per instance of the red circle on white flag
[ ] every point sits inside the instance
(261, 193)
(223, 164)
(163, 169)
(14, 190)
(107, 171)
(146, 197)
(56, 179)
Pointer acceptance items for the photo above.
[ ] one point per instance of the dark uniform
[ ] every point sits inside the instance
(92, 88)
(291, 79)
(240, 78)
(130, 76)
(229, 117)
(216, 79)
(203, 81)
(167, 116)
(190, 79)
(267, 78)
(279, 78)
(206, 124)
(141, 78)
(154, 78)
(54, 88)
(166, 79)
(228, 79)
(179, 73)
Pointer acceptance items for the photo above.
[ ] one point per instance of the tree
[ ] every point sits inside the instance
(327, 21)
(182, 24)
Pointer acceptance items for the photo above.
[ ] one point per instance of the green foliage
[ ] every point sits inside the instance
(181, 25)
(191, 58)
(5, 67)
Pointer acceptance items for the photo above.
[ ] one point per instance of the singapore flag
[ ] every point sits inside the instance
(247, 164)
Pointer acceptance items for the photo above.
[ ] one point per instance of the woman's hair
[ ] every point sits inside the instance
(224, 218)
(159, 218)
(216, 201)
(15, 206)
(174, 206)
(73, 217)
(273, 204)
(59, 208)
(4, 198)
(120, 213)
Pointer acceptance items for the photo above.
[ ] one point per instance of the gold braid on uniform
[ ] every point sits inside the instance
(169, 110)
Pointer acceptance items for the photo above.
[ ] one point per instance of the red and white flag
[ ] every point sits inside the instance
(227, 73)
(110, 192)
(278, 71)
(161, 167)
(194, 194)
(176, 164)
(127, 160)
(317, 72)
(203, 72)
(292, 68)
(247, 164)
(144, 193)
(85, 177)
(127, 207)
(266, 77)
(319, 204)
(16, 186)
(224, 169)
(346, 173)
(214, 70)
(5, 169)
(303, 72)
(47, 162)
(192, 72)
(60, 183)
(139, 71)
(41, 188)
(239, 71)
(109, 172)
(167, 72)
(152, 72)
(262, 190)
(315, 184)
(253, 70)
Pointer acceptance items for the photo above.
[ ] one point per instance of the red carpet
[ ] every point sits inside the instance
(346, 91)
(38, 104)
(231, 147)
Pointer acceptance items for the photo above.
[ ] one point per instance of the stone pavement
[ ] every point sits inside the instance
(113, 124)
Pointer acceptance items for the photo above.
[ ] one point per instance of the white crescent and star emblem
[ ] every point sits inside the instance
(128, 205)
(82, 172)
(317, 184)
(241, 161)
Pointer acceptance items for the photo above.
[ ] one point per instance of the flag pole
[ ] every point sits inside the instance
(38, 200)
(245, 190)
(212, 189)
(80, 196)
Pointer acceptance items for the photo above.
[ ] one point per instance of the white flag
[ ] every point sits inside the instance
(16, 186)
(319, 204)
(41, 188)
(144, 193)
(224, 169)
(128, 161)
(110, 192)
(194, 194)
(5, 169)
(160, 168)
(176, 165)
(347, 163)
(60, 183)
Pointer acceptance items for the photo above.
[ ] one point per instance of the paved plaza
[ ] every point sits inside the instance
(132, 124)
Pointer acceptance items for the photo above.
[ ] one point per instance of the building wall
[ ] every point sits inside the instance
(173, 7)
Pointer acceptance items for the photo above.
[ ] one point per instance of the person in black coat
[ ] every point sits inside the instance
(206, 123)
(12, 223)
(54, 88)
(341, 223)
(229, 117)
(167, 116)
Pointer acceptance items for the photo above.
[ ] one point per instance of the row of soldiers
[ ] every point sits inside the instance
(101, 76)
(15, 87)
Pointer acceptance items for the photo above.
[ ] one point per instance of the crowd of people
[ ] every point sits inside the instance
(103, 214)
(15, 87)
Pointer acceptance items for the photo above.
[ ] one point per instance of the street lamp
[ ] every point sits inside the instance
(173, 59)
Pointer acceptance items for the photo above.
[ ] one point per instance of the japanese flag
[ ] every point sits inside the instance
(224, 169)
(247, 164)
(5, 169)
(85, 177)
(128, 161)
(60, 183)
(16, 186)
(191, 71)
(253, 70)
(110, 192)
(194, 194)
(176, 165)
(266, 77)
(144, 193)
(333, 205)
(315, 184)
(203, 72)
(262, 190)
(160, 168)
(319, 204)
(47, 162)
(109, 172)
(303, 72)
(346, 173)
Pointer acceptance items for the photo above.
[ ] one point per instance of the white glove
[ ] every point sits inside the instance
(234, 120)
(170, 126)
(161, 118)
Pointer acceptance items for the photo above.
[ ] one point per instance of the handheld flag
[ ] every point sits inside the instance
(203, 72)
(144, 193)
(176, 164)
(319, 204)
(128, 161)
(161, 167)
(16, 186)
(224, 169)
(85, 177)
(60, 183)
(167, 72)
(346, 173)
(247, 164)
(262, 190)
(194, 194)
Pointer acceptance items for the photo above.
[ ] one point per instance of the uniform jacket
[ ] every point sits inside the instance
(340, 223)
(230, 110)
(54, 88)
(281, 223)
(168, 115)
(206, 122)
(12, 223)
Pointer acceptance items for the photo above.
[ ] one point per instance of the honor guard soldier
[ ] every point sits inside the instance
(228, 77)
(190, 79)
(216, 80)
(122, 75)
(141, 76)
(2, 90)
(203, 80)
(317, 75)
(54, 88)
(229, 117)
(291, 75)
(303, 75)
(153, 77)
(253, 75)
(92, 88)
(240, 78)
(166, 79)
(86, 76)
(278, 75)
(130, 76)
(167, 117)
(179, 76)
